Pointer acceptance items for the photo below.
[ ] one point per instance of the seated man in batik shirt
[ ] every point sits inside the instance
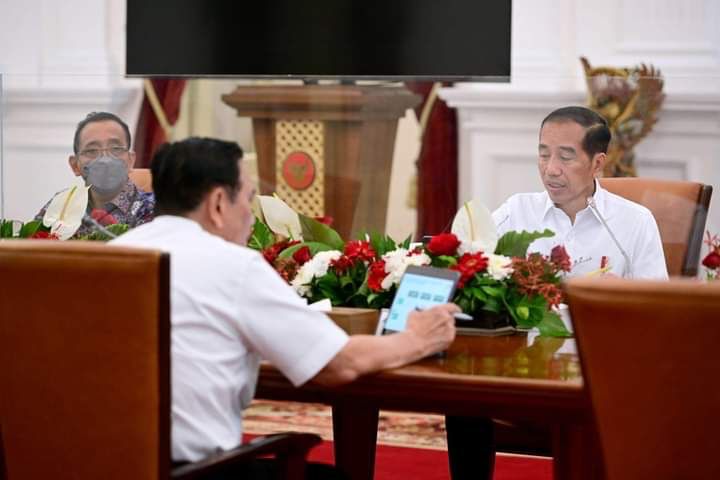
(102, 156)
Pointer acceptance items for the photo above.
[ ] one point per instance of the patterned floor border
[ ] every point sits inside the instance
(398, 429)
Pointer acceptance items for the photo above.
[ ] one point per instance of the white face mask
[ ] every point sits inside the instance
(106, 175)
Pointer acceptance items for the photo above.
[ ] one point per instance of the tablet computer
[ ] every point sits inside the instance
(420, 288)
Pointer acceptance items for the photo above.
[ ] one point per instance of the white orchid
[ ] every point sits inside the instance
(397, 261)
(473, 225)
(316, 267)
(65, 212)
(499, 266)
(280, 218)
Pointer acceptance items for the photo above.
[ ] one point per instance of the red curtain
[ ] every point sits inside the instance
(437, 165)
(149, 134)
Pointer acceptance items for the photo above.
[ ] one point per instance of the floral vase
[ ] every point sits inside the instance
(355, 321)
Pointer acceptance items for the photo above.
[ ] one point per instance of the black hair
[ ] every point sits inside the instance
(93, 117)
(597, 133)
(184, 172)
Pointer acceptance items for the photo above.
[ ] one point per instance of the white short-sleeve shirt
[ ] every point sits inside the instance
(229, 308)
(587, 240)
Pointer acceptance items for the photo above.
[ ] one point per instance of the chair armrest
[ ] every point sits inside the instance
(290, 450)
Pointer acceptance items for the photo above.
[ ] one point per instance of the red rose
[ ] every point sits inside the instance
(443, 244)
(342, 264)
(325, 219)
(560, 257)
(376, 275)
(43, 235)
(103, 217)
(302, 255)
(359, 250)
(468, 265)
(712, 260)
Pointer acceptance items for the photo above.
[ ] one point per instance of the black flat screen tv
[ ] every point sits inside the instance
(320, 39)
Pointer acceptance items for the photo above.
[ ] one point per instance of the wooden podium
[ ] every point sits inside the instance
(326, 149)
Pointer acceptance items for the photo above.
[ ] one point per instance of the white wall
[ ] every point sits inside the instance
(499, 122)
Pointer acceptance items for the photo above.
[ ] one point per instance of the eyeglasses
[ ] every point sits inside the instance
(115, 152)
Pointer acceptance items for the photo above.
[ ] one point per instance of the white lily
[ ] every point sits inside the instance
(65, 212)
(473, 224)
(280, 218)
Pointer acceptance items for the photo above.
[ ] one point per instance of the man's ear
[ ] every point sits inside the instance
(215, 207)
(598, 163)
(74, 165)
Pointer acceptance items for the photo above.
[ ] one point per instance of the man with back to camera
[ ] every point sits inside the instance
(103, 156)
(572, 151)
(230, 308)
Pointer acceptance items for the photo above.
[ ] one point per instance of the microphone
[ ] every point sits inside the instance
(628, 264)
(87, 219)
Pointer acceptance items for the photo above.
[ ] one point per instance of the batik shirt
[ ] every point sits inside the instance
(132, 207)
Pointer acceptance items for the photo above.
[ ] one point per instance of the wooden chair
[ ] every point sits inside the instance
(84, 368)
(647, 351)
(142, 177)
(680, 210)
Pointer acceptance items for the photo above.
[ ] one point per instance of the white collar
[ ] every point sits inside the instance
(600, 197)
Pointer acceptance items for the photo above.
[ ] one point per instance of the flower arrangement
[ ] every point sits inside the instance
(497, 276)
(34, 229)
(711, 262)
(63, 217)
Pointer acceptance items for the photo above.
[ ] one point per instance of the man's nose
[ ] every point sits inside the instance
(554, 167)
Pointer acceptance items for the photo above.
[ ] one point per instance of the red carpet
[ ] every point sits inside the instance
(400, 463)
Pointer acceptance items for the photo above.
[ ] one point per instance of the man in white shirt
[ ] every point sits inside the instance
(229, 308)
(601, 231)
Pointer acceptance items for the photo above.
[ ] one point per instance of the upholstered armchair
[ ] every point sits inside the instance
(142, 177)
(647, 355)
(680, 210)
(85, 368)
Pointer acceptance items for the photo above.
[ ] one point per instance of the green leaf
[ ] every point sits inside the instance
(381, 243)
(406, 243)
(478, 293)
(497, 292)
(492, 305)
(314, 231)
(314, 247)
(515, 244)
(6, 228)
(552, 326)
(30, 228)
(447, 260)
(118, 228)
(261, 237)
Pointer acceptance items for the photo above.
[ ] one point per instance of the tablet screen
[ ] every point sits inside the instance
(420, 288)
